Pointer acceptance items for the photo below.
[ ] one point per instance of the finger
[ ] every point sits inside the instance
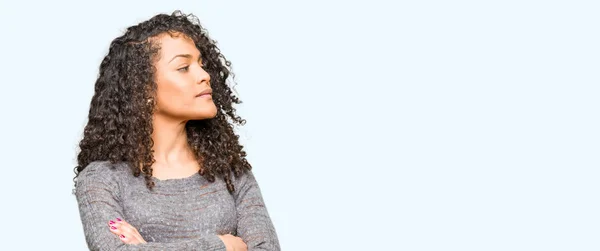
(130, 233)
(127, 239)
(131, 238)
(244, 245)
(121, 221)
(127, 235)
(117, 222)
(125, 224)
(120, 228)
(126, 232)
(139, 238)
(126, 229)
(114, 228)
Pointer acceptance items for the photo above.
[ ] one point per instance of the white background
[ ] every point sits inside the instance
(400, 125)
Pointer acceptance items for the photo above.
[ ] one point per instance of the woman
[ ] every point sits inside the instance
(160, 167)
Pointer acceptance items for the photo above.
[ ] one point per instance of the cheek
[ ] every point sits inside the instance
(173, 94)
(175, 100)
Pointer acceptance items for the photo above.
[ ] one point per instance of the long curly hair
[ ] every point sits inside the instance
(119, 125)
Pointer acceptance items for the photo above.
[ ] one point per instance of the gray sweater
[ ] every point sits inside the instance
(179, 214)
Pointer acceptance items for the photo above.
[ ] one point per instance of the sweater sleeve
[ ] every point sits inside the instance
(97, 195)
(254, 225)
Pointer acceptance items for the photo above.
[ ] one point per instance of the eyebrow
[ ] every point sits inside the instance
(183, 56)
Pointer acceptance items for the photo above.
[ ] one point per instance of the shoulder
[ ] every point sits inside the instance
(244, 180)
(102, 171)
(243, 177)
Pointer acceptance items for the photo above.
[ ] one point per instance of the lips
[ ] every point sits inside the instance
(207, 92)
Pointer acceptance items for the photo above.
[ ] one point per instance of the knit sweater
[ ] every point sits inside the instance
(178, 214)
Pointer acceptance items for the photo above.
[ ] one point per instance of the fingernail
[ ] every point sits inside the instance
(111, 222)
(113, 228)
(119, 219)
(122, 236)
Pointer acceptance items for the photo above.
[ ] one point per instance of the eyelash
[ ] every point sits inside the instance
(186, 68)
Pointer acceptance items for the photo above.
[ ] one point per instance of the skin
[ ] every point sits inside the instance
(180, 78)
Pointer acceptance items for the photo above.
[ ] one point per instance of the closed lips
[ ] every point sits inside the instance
(205, 92)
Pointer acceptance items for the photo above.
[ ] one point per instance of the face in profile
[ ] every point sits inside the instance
(183, 86)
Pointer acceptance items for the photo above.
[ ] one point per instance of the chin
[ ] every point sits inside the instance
(206, 114)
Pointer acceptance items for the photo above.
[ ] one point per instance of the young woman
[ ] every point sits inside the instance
(160, 167)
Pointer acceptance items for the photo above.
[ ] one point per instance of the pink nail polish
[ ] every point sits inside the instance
(119, 219)
(113, 228)
(122, 236)
(111, 222)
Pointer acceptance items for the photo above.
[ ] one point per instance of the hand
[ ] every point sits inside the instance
(233, 243)
(127, 233)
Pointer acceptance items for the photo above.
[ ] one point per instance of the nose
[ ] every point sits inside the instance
(203, 77)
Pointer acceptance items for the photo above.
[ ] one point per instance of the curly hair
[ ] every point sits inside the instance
(119, 125)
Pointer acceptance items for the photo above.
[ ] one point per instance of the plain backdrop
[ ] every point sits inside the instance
(372, 125)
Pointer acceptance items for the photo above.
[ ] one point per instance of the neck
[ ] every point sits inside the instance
(170, 141)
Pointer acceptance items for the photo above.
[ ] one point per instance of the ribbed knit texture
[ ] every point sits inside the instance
(179, 214)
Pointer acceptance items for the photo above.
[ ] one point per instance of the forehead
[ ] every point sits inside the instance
(172, 44)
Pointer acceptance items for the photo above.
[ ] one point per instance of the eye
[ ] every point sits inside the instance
(184, 69)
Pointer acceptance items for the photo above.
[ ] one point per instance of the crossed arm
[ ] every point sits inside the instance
(99, 204)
